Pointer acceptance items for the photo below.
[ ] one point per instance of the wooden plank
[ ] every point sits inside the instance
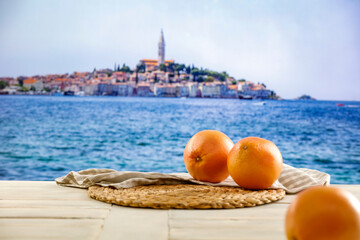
(81, 204)
(354, 189)
(268, 211)
(135, 223)
(33, 195)
(44, 210)
(261, 222)
(50, 228)
(231, 223)
(287, 199)
(21, 184)
(257, 230)
(54, 212)
(43, 192)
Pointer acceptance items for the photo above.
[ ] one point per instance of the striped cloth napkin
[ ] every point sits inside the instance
(291, 179)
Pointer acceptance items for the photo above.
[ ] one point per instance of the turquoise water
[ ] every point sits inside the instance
(44, 137)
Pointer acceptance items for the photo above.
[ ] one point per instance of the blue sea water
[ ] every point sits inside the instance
(43, 137)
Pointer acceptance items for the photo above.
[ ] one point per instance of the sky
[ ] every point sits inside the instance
(293, 47)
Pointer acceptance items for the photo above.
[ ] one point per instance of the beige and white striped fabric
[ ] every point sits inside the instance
(292, 180)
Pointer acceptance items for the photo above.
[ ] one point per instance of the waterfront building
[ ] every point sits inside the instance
(121, 89)
(184, 77)
(90, 89)
(231, 91)
(194, 89)
(255, 91)
(120, 76)
(143, 90)
(104, 88)
(11, 81)
(164, 90)
(181, 90)
(152, 64)
(10, 90)
(32, 82)
(260, 94)
(159, 90)
(52, 85)
(240, 86)
(223, 88)
(169, 90)
(245, 86)
(159, 76)
(210, 90)
(73, 88)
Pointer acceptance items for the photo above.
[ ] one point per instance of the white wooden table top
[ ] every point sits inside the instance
(43, 210)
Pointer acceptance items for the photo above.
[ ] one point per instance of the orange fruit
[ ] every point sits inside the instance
(255, 163)
(323, 213)
(205, 156)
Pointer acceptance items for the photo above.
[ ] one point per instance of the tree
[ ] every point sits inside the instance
(125, 68)
(199, 79)
(136, 78)
(141, 68)
(21, 80)
(179, 68)
(155, 78)
(24, 89)
(171, 67)
(195, 72)
(234, 82)
(162, 67)
(209, 79)
(32, 88)
(3, 84)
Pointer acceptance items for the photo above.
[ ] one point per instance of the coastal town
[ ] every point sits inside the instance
(150, 78)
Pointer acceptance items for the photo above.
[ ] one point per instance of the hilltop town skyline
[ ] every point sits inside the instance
(150, 78)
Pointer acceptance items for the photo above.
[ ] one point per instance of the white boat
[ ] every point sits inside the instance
(259, 103)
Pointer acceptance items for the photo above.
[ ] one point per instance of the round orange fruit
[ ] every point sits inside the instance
(205, 156)
(323, 213)
(255, 163)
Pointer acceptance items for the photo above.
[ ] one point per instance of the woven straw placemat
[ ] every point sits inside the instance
(184, 196)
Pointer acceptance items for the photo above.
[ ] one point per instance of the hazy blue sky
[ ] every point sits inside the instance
(294, 47)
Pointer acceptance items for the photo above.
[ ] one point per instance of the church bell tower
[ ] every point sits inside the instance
(161, 51)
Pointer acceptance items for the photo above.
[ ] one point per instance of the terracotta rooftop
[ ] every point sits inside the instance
(29, 81)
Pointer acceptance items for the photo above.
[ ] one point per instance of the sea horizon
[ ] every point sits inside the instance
(215, 98)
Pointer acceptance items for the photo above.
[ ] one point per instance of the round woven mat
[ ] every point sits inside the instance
(184, 196)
